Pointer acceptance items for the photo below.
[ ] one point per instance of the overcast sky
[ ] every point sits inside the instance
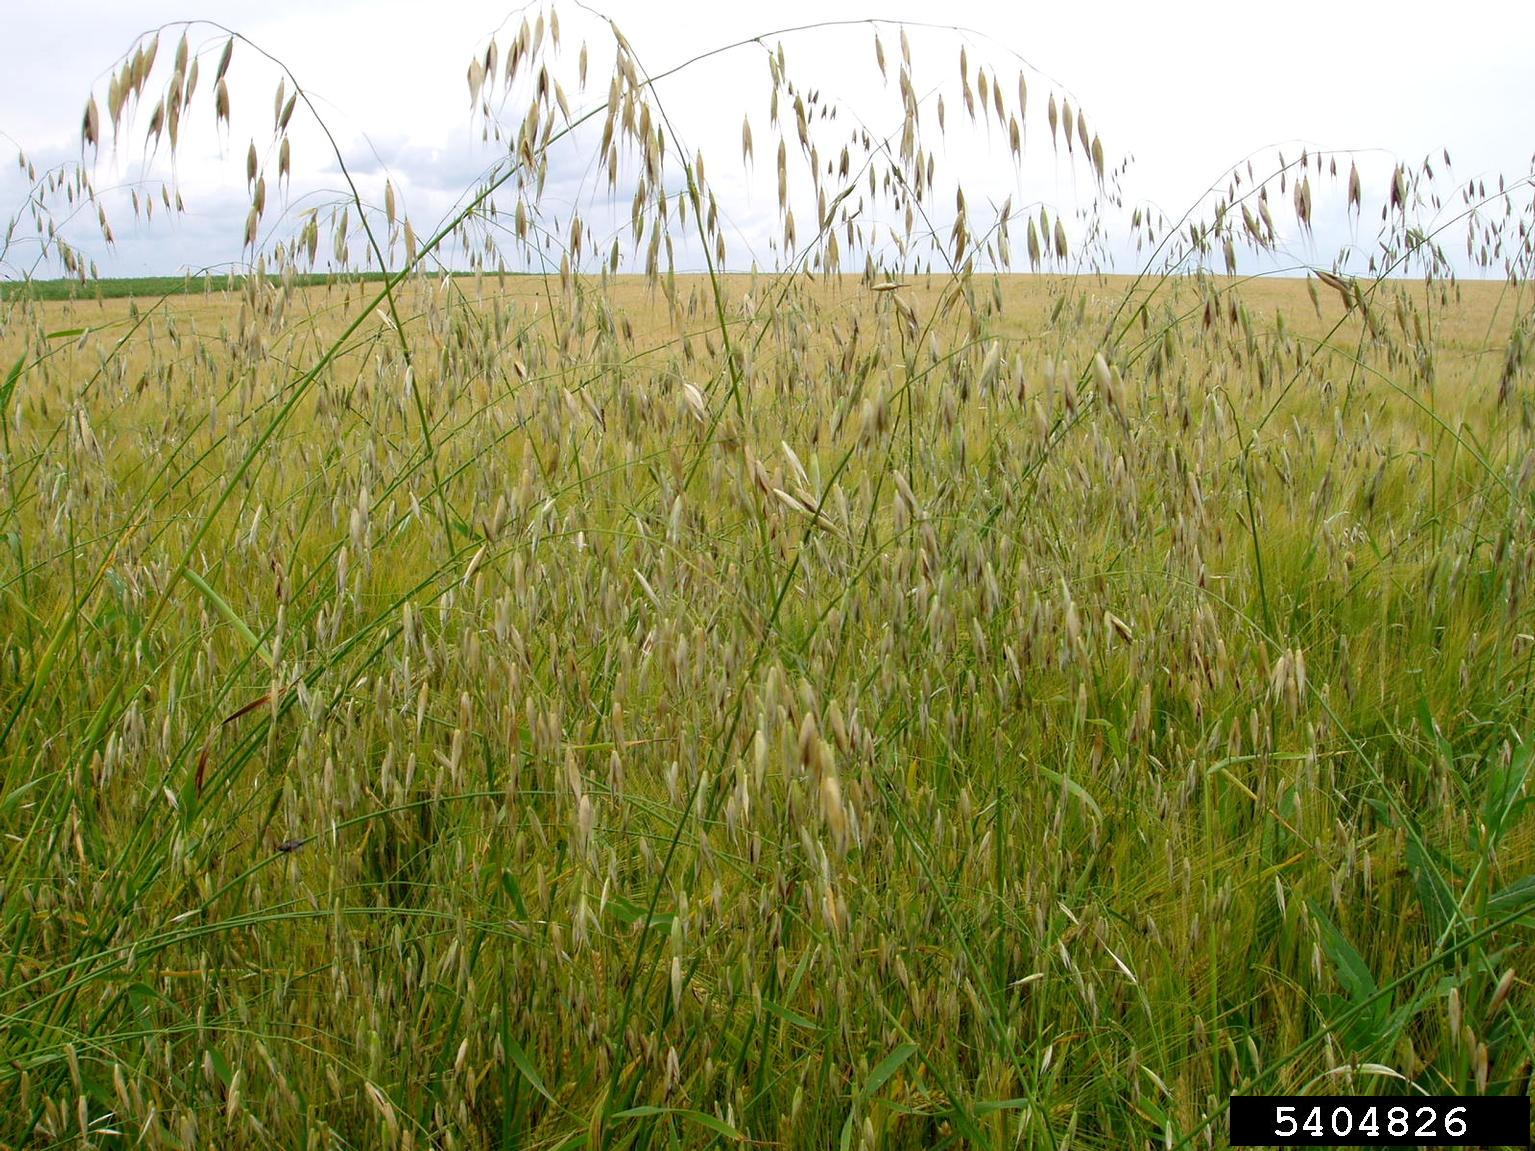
(1185, 90)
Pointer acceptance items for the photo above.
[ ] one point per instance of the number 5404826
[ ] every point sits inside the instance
(1373, 1121)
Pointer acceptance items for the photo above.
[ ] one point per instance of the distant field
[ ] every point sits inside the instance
(149, 287)
(988, 712)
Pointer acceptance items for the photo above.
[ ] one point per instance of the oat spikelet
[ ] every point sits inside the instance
(90, 127)
(1500, 994)
(835, 812)
(1101, 371)
(989, 366)
(1303, 202)
(1399, 188)
(1341, 286)
(476, 79)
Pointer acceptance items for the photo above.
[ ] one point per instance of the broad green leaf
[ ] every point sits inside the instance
(1015, 1104)
(1071, 786)
(1433, 892)
(1512, 897)
(702, 1118)
(627, 912)
(788, 1016)
(1361, 1027)
(1352, 971)
(885, 1068)
(220, 1066)
(509, 885)
(221, 605)
(1505, 785)
(521, 1061)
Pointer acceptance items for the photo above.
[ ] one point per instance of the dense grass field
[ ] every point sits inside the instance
(876, 703)
(943, 736)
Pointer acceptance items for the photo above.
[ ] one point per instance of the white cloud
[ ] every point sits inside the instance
(1188, 89)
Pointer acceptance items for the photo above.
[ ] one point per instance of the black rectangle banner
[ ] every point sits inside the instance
(1376, 1121)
